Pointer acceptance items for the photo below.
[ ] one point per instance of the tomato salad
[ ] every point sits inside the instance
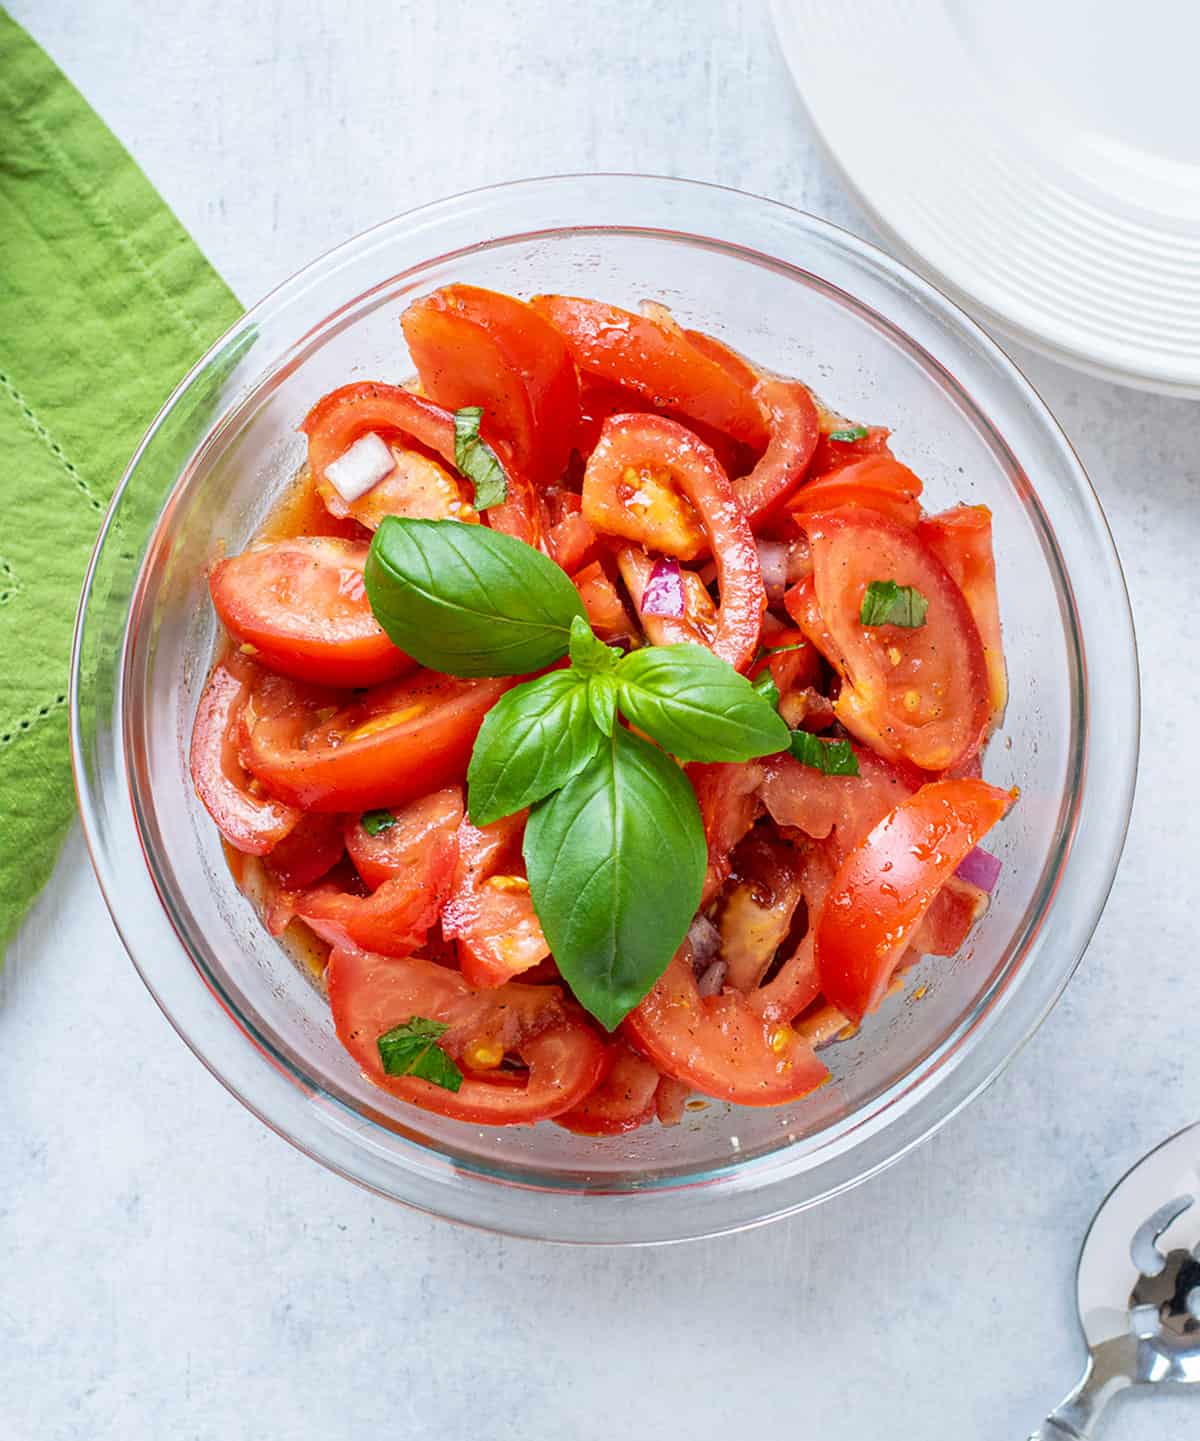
(605, 716)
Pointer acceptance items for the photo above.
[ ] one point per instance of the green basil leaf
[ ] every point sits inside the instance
(373, 822)
(853, 432)
(602, 702)
(886, 603)
(831, 758)
(765, 686)
(616, 863)
(411, 1049)
(589, 655)
(476, 459)
(467, 600)
(697, 706)
(533, 740)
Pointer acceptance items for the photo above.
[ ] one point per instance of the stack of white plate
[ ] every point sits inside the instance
(1038, 159)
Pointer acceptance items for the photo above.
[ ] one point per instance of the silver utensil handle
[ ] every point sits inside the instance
(1076, 1417)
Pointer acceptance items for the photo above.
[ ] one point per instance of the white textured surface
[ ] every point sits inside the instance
(170, 1269)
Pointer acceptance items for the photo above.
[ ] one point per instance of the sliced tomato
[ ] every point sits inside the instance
(962, 540)
(794, 429)
(697, 624)
(727, 794)
(399, 913)
(887, 882)
(950, 918)
(563, 1054)
(623, 1101)
(420, 488)
(758, 906)
(654, 358)
(249, 820)
(606, 611)
(390, 745)
(421, 833)
(736, 366)
(796, 985)
(917, 694)
(831, 455)
(307, 852)
(302, 606)
(478, 347)
(719, 1044)
(670, 1100)
(795, 666)
(651, 448)
(490, 912)
(570, 540)
(371, 406)
(879, 483)
(820, 805)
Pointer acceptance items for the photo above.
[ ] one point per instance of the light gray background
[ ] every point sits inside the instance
(170, 1269)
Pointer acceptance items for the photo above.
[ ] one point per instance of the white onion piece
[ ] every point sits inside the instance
(366, 463)
(705, 940)
(773, 562)
(713, 979)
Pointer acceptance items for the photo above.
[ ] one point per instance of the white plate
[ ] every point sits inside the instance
(1039, 159)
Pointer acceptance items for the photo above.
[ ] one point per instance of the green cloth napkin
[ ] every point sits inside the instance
(104, 303)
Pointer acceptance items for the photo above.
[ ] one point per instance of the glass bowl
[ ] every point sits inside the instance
(801, 298)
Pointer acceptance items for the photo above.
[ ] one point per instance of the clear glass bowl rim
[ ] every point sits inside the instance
(768, 1186)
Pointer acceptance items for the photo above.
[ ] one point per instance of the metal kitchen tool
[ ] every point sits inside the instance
(1138, 1286)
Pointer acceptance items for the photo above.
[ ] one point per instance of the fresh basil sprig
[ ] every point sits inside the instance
(411, 1049)
(467, 600)
(608, 810)
(886, 603)
(476, 459)
(592, 852)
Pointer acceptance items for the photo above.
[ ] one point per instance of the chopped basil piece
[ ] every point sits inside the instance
(831, 758)
(766, 687)
(477, 460)
(375, 821)
(886, 603)
(853, 432)
(411, 1049)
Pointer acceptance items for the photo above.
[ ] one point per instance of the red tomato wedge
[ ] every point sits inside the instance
(477, 347)
(563, 1053)
(794, 429)
(623, 1101)
(962, 540)
(605, 610)
(832, 455)
(249, 821)
(845, 807)
(490, 912)
(719, 1044)
(654, 450)
(392, 744)
(727, 794)
(391, 412)
(654, 358)
(417, 832)
(302, 605)
(736, 366)
(878, 483)
(888, 881)
(308, 852)
(916, 694)
(399, 913)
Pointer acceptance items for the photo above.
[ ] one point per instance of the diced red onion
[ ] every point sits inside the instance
(705, 940)
(664, 593)
(981, 868)
(365, 464)
(713, 979)
(773, 562)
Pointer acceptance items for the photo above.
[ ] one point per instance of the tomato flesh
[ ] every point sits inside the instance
(478, 347)
(878, 483)
(490, 912)
(887, 882)
(918, 694)
(794, 429)
(250, 822)
(302, 606)
(394, 743)
(623, 1101)
(832, 455)
(563, 1053)
(727, 794)
(425, 826)
(719, 1044)
(651, 445)
(605, 610)
(655, 359)
(307, 852)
